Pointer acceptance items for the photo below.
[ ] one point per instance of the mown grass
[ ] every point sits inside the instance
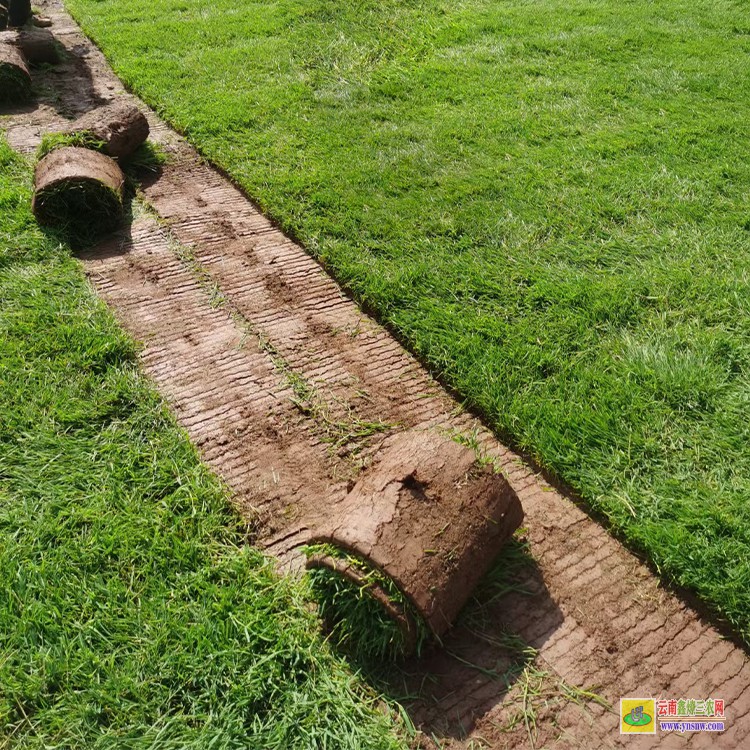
(548, 199)
(132, 612)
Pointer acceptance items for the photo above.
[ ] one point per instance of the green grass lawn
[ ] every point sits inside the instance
(132, 613)
(548, 199)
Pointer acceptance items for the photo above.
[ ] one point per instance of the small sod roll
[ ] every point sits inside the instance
(80, 192)
(38, 46)
(15, 79)
(120, 127)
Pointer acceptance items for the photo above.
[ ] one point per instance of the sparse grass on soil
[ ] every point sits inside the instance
(132, 612)
(548, 199)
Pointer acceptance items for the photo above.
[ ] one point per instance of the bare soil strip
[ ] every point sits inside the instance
(287, 389)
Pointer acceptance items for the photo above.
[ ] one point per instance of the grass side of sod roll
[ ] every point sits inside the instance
(15, 85)
(357, 623)
(81, 210)
(132, 613)
(548, 199)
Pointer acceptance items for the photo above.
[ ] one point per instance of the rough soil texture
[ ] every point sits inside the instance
(430, 515)
(286, 388)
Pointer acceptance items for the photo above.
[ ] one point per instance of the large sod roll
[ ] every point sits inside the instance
(421, 527)
(38, 45)
(15, 79)
(80, 192)
(120, 127)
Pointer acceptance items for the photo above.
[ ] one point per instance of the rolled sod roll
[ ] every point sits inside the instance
(38, 45)
(122, 127)
(15, 79)
(419, 529)
(78, 191)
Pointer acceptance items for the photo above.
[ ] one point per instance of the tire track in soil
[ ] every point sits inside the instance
(286, 389)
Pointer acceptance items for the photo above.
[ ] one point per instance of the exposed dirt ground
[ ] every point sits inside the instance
(287, 389)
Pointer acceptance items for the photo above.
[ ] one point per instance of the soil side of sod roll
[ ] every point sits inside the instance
(121, 127)
(80, 192)
(431, 517)
(15, 79)
(37, 45)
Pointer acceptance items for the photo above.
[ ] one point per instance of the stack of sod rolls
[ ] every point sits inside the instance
(79, 184)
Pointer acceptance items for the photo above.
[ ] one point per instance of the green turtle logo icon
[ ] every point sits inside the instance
(637, 717)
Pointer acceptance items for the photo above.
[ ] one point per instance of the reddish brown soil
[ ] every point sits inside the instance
(274, 372)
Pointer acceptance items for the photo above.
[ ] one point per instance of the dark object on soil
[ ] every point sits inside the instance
(19, 12)
(38, 45)
(3, 14)
(121, 127)
(15, 79)
(429, 516)
(80, 192)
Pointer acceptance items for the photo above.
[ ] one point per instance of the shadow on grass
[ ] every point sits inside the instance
(451, 686)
